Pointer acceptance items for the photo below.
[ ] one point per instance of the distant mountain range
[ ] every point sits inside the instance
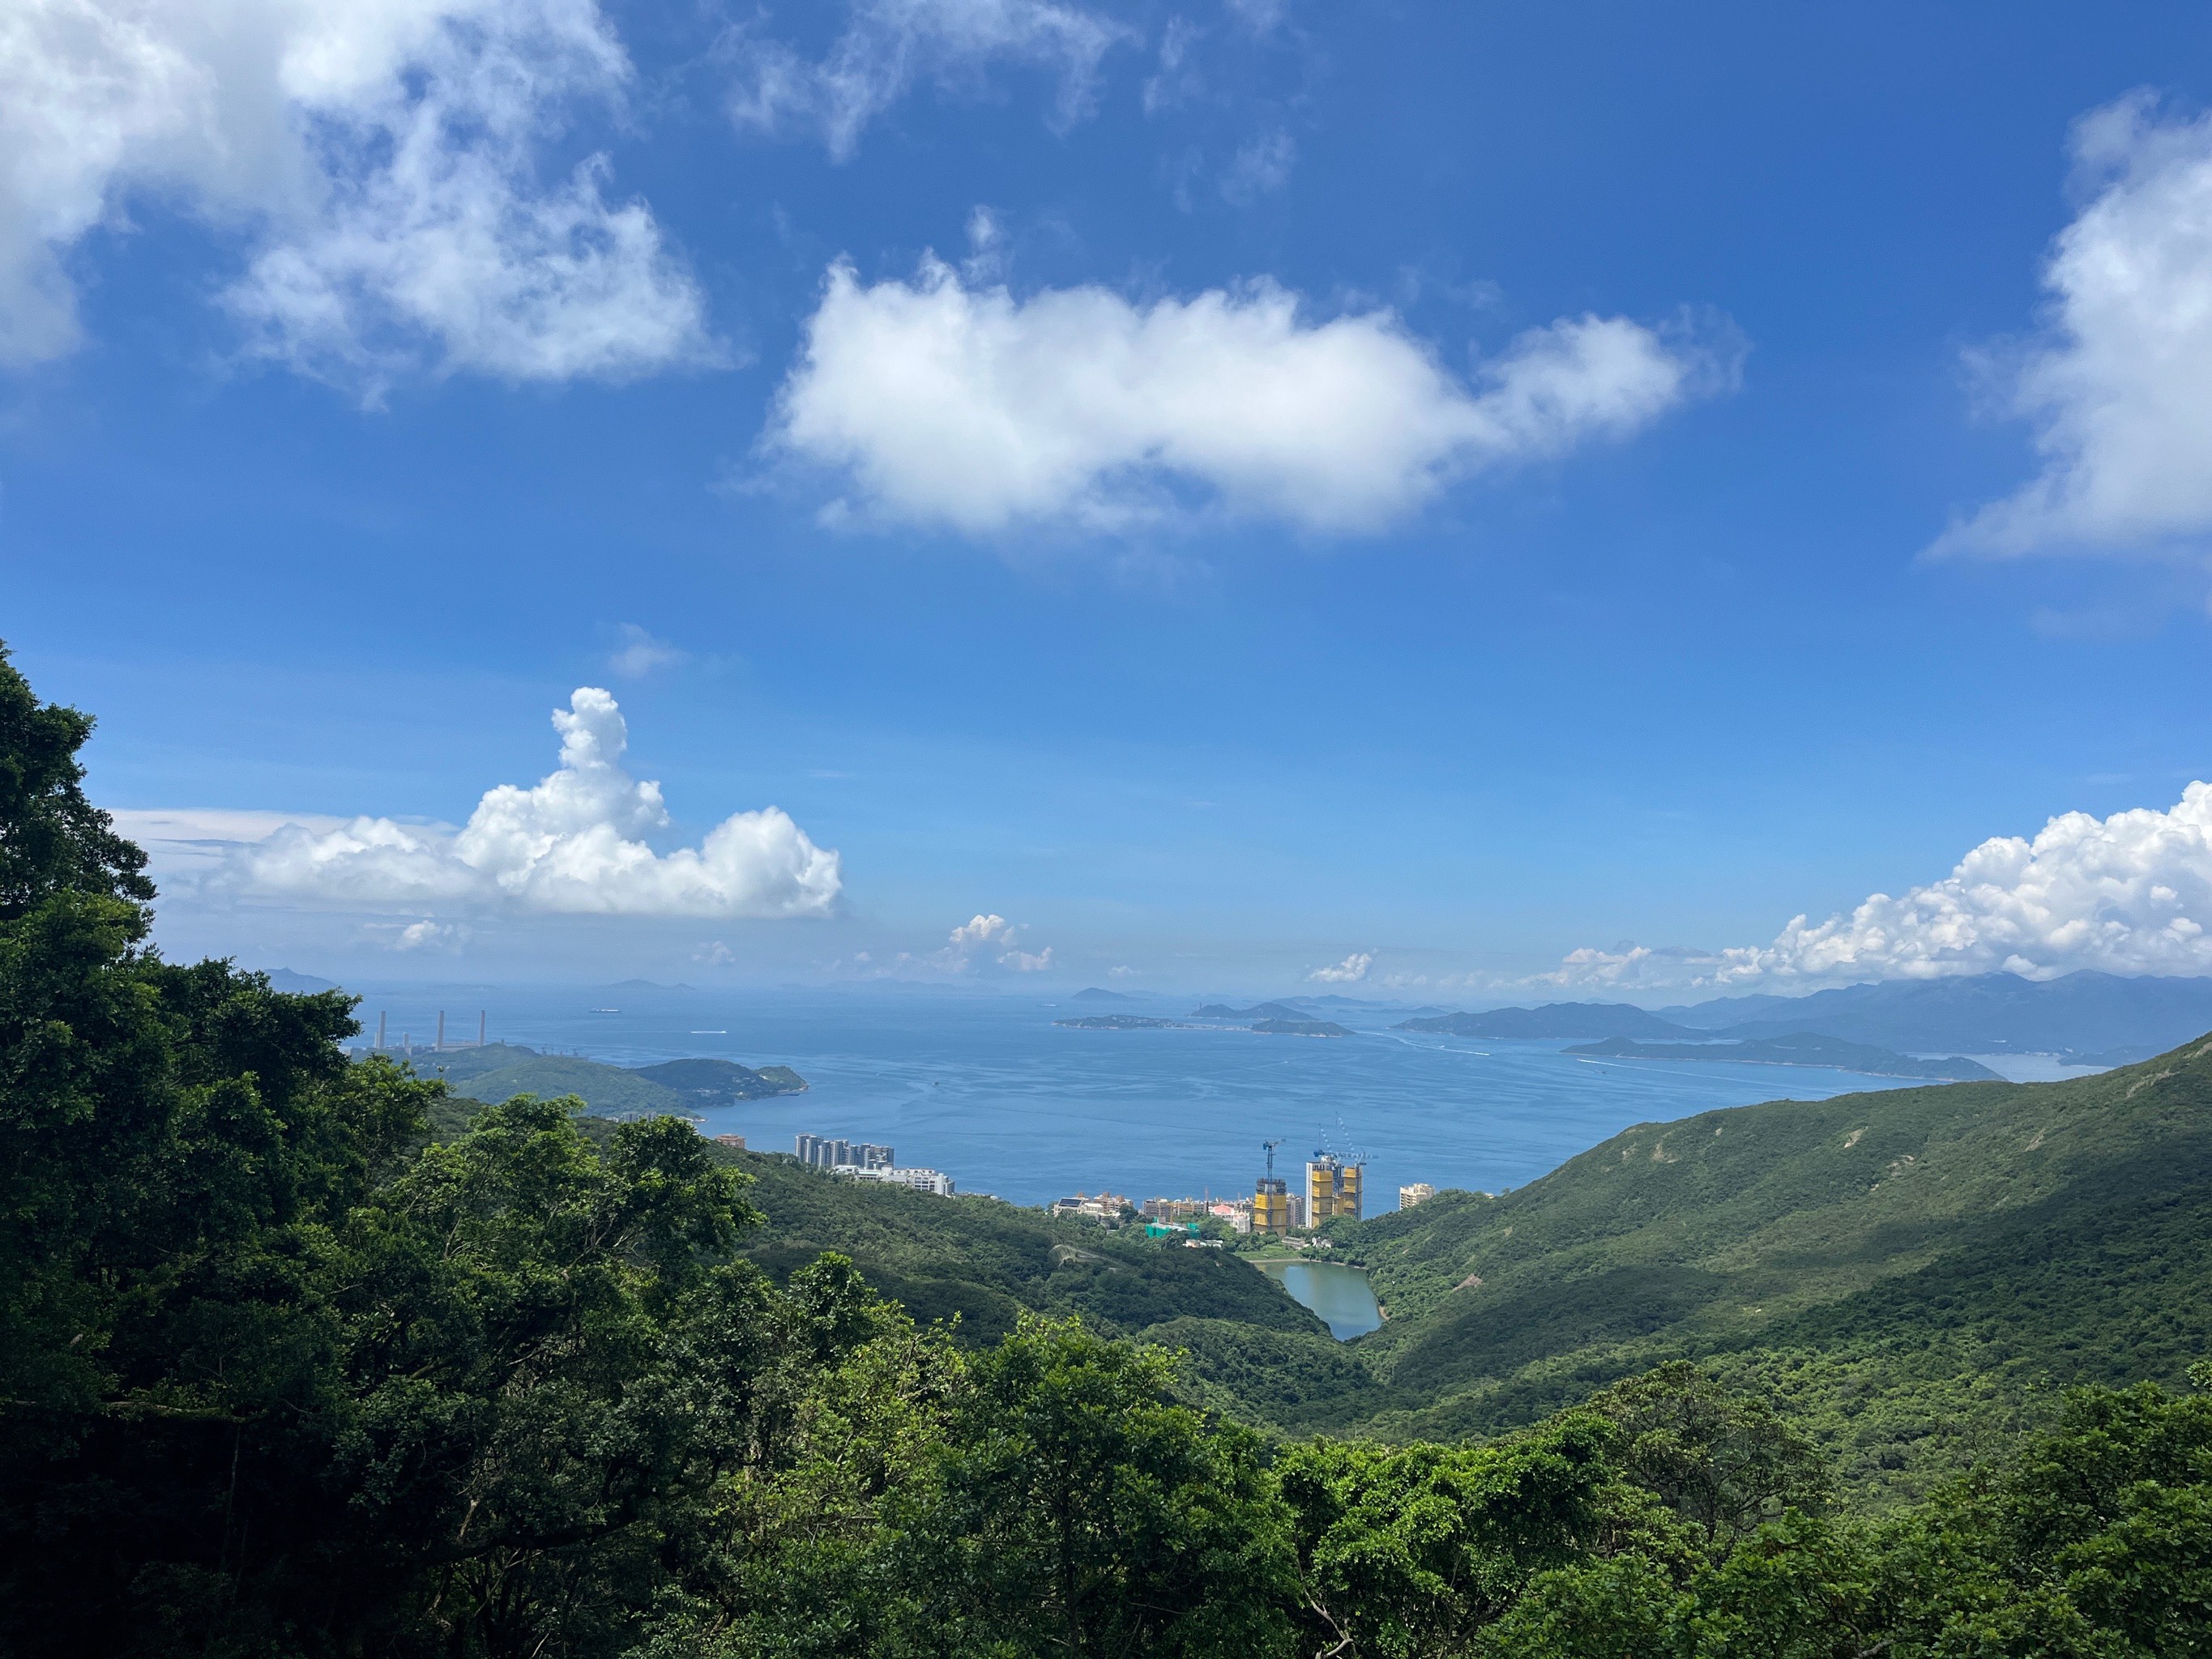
(1295, 1025)
(1093, 993)
(2087, 1016)
(1799, 1048)
(2090, 1019)
(1553, 1019)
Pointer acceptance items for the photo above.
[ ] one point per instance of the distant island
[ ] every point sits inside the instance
(721, 1082)
(1095, 993)
(494, 1071)
(2085, 1019)
(1258, 1011)
(1802, 1048)
(1553, 1019)
(1294, 1026)
(283, 979)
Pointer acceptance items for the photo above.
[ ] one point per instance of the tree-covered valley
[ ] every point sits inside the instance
(305, 1355)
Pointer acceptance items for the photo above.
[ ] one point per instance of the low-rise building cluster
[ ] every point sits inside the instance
(1095, 1206)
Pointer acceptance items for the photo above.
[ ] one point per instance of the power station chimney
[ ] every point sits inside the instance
(379, 1028)
(441, 1047)
(480, 1028)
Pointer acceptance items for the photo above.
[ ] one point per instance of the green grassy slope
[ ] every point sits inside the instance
(1915, 1268)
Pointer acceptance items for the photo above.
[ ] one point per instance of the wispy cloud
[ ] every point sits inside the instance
(377, 158)
(889, 46)
(638, 654)
(1261, 167)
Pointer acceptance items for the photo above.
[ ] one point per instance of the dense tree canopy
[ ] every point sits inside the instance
(297, 1359)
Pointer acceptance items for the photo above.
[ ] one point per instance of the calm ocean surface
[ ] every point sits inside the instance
(989, 1091)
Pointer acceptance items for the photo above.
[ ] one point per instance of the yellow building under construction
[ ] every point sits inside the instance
(1332, 1190)
(1271, 1206)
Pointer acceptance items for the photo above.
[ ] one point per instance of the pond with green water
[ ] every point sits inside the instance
(1341, 1295)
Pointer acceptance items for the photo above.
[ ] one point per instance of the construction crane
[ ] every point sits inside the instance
(1271, 1145)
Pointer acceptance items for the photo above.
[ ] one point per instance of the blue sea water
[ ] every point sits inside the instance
(988, 1090)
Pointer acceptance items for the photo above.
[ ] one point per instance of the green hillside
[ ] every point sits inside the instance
(603, 1088)
(987, 1261)
(302, 1356)
(499, 1071)
(721, 1082)
(1799, 1048)
(1914, 1270)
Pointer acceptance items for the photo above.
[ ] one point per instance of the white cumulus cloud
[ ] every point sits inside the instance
(991, 937)
(959, 405)
(2120, 387)
(379, 160)
(2128, 893)
(1350, 971)
(887, 46)
(430, 934)
(573, 844)
(980, 931)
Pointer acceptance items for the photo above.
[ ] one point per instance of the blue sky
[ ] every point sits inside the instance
(1425, 489)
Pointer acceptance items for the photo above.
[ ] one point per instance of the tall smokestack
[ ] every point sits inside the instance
(441, 1047)
(380, 1017)
(480, 1028)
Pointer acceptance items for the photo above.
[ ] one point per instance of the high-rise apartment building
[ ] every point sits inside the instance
(826, 1154)
(1271, 1206)
(1419, 1192)
(1332, 1189)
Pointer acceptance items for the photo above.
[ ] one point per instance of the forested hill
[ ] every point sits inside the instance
(1915, 1266)
(493, 1072)
(301, 1357)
